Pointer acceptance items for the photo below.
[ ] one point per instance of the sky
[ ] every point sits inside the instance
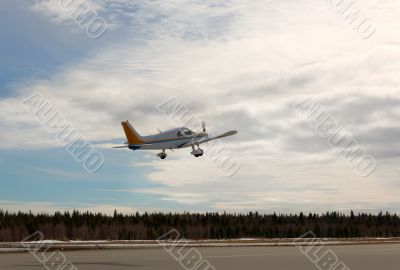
(238, 65)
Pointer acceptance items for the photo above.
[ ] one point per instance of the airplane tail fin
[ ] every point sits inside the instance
(131, 135)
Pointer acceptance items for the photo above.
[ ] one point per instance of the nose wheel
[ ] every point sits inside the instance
(197, 152)
(162, 155)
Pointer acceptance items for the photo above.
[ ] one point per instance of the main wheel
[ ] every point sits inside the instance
(162, 155)
(197, 152)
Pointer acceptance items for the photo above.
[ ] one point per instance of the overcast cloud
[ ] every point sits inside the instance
(237, 65)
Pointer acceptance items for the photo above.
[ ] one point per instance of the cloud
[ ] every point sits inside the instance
(57, 9)
(238, 66)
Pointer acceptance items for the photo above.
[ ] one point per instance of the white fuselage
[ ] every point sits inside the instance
(170, 139)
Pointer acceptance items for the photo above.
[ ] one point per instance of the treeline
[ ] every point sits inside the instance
(147, 226)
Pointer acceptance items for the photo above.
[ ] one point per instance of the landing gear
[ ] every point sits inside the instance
(197, 152)
(162, 155)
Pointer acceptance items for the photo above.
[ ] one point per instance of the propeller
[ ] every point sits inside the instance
(203, 125)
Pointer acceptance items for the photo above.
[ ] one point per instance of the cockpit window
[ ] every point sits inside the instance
(184, 132)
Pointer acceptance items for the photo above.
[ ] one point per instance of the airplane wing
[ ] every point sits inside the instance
(203, 140)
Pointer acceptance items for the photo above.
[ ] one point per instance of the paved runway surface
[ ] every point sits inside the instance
(357, 257)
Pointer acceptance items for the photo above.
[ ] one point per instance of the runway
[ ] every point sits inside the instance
(355, 257)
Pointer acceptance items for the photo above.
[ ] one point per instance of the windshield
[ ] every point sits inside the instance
(185, 132)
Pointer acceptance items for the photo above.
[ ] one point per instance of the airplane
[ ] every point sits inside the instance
(176, 138)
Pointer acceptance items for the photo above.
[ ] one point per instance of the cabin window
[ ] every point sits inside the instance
(184, 132)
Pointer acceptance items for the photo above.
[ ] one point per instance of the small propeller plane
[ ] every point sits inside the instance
(170, 139)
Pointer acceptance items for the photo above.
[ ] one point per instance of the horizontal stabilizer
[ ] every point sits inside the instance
(122, 146)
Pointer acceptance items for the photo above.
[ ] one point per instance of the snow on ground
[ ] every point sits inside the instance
(131, 244)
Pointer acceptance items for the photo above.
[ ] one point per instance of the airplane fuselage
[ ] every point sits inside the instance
(170, 139)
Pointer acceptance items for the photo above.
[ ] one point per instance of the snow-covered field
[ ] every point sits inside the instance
(128, 244)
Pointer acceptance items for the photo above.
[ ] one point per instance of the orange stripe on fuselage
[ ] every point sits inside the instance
(171, 139)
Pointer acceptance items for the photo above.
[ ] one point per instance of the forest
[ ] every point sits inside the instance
(77, 225)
